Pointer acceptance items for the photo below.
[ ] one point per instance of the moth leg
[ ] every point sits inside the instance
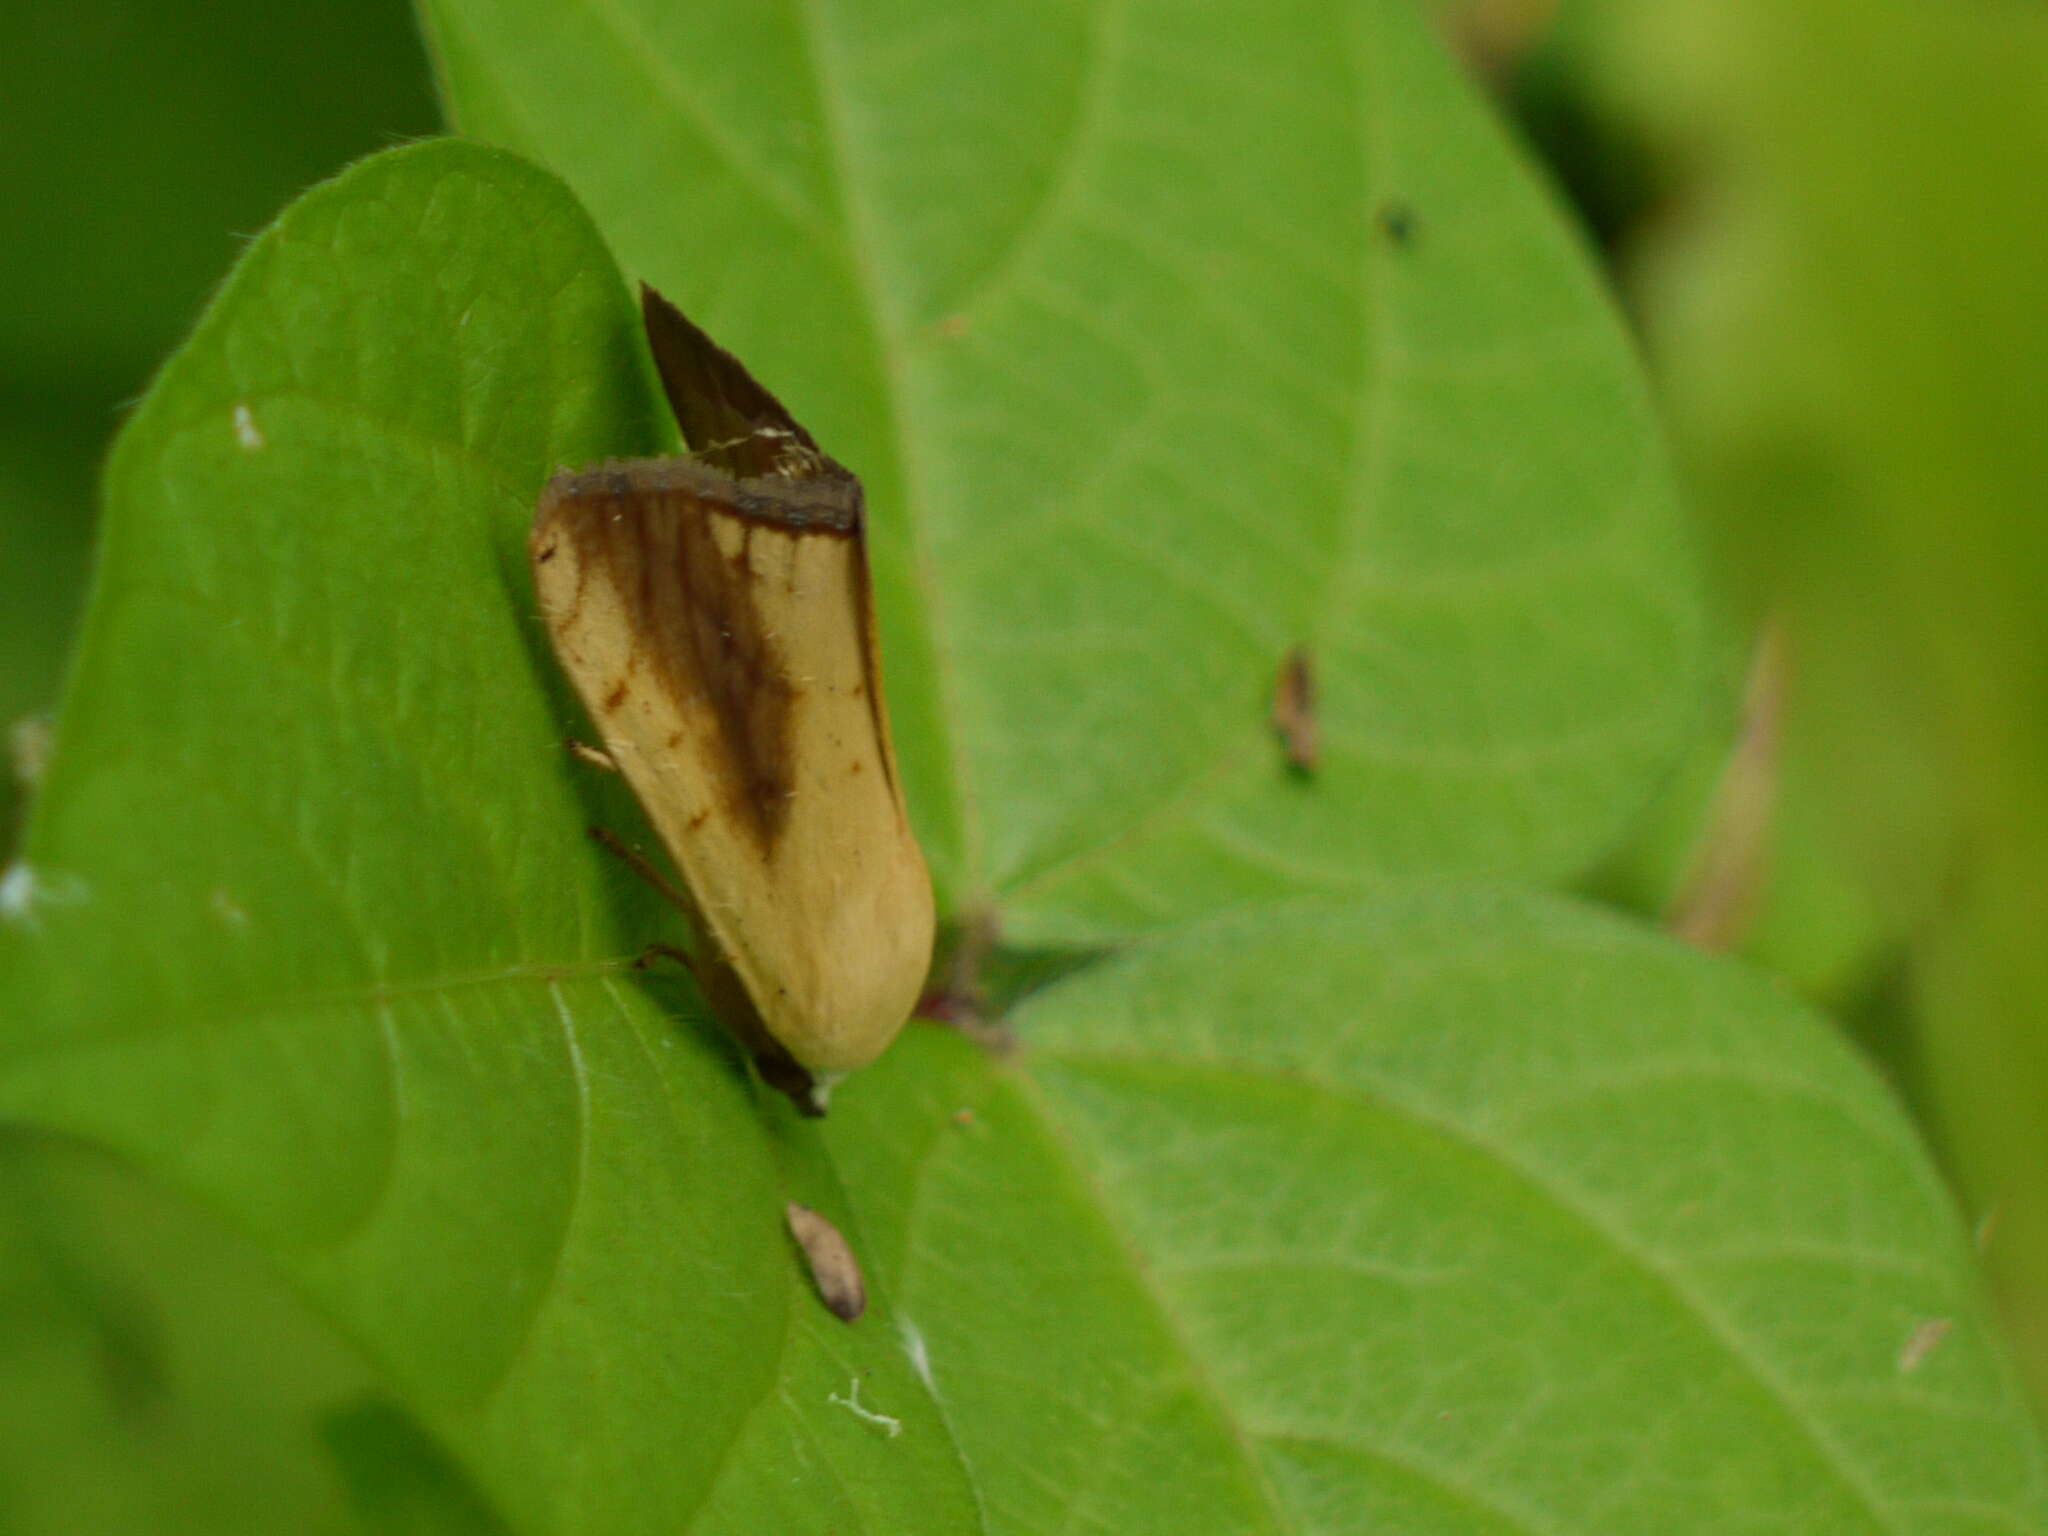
(597, 757)
(637, 862)
(653, 952)
(807, 1090)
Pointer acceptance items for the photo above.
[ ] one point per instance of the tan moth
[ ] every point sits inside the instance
(713, 612)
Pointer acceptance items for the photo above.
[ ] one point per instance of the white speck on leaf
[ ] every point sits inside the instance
(23, 892)
(914, 1347)
(228, 910)
(247, 433)
(17, 893)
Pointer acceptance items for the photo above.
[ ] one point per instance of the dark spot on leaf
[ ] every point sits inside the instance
(1398, 223)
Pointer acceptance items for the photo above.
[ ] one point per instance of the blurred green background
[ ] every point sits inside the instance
(1826, 222)
(141, 143)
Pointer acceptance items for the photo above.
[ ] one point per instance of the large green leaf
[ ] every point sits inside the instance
(1445, 1211)
(1166, 337)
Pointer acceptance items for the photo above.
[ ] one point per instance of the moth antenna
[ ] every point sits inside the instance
(781, 433)
(731, 442)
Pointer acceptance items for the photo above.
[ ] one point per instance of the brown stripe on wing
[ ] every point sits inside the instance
(698, 625)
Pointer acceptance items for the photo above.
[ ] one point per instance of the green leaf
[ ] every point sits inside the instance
(1107, 305)
(1445, 1211)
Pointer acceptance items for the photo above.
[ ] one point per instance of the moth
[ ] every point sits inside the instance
(713, 611)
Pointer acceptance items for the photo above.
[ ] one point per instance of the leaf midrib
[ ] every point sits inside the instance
(862, 247)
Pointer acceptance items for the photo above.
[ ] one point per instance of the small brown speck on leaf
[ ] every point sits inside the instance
(834, 1270)
(1294, 711)
(1922, 1342)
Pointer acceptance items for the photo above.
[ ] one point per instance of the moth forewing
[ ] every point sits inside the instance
(721, 633)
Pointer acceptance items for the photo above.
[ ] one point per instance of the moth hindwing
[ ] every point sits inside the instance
(713, 612)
